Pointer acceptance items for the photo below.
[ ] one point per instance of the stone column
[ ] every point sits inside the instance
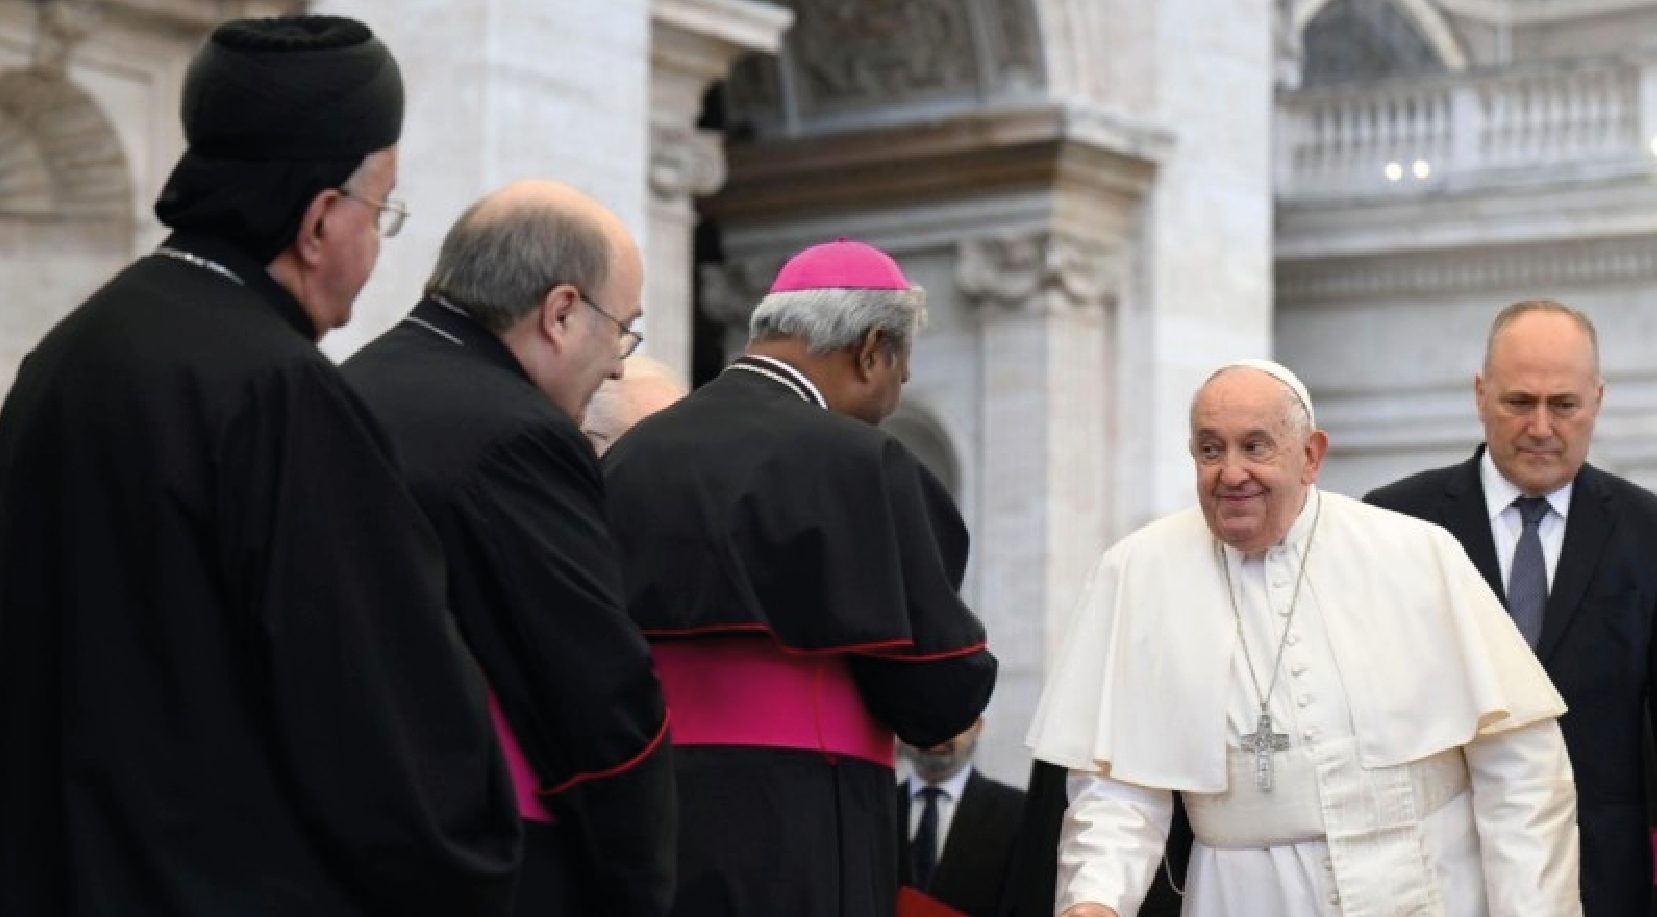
(1045, 302)
(692, 45)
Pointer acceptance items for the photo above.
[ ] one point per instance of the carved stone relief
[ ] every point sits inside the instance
(730, 291)
(685, 162)
(882, 50)
(1015, 43)
(1040, 272)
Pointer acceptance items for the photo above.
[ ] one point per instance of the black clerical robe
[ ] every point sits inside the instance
(750, 509)
(228, 684)
(517, 497)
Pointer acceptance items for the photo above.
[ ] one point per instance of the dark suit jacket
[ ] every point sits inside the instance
(1597, 645)
(972, 867)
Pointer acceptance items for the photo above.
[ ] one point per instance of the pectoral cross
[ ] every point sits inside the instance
(1262, 742)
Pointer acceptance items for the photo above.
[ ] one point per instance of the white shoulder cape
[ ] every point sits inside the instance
(1428, 655)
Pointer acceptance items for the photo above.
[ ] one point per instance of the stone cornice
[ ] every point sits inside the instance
(745, 25)
(1439, 273)
(987, 150)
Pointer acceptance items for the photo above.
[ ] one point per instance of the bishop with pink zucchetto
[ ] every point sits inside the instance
(797, 572)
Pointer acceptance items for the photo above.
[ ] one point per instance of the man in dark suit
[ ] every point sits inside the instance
(1570, 549)
(958, 826)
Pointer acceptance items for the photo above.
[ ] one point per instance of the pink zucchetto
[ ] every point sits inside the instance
(844, 264)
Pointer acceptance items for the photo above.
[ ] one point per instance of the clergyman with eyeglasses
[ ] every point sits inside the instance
(1569, 548)
(530, 307)
(228, 679)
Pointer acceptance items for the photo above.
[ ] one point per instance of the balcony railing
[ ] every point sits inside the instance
(1467, 129)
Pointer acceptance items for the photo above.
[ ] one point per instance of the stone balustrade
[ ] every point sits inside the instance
(1467, 129)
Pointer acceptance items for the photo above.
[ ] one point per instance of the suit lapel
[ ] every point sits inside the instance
(1464, 514)
(1587, 528)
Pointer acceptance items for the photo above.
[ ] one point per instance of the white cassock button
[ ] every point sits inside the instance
(1310, 735)
(1334, 897)
(1283, 611)
(1292, 639)
(1297, 669)
(1303, 699)
(1328, 865)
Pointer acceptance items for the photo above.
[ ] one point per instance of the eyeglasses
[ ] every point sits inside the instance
(630, 339)
(389, 214)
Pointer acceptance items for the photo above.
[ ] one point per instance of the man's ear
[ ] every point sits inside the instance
(871, 348)
(557, 307)
(308, 244)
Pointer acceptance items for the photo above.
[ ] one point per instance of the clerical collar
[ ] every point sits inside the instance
(439, 317)
(782, 374)
(1499, 492)
(231, 264)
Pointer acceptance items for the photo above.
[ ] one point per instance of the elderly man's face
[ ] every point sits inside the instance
(1538, 399)
(1253, 467)
(350, 243)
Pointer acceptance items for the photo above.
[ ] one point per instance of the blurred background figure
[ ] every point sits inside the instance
(958, 826)
(647, 386)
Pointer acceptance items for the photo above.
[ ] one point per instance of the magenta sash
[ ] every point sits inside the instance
(750, 691)
(523, 776)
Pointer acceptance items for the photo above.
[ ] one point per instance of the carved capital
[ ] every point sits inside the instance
(685, 162)
(730, 291)
(1041, 272)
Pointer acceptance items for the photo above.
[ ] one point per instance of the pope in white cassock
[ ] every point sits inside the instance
(1353, 721)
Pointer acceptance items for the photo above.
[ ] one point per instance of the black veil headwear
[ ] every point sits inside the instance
(276, 111)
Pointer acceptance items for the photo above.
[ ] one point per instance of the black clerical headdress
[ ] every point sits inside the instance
(275, 111)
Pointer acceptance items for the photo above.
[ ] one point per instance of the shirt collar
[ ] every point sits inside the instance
(953, 787)
(791, 377)
(1499, 492)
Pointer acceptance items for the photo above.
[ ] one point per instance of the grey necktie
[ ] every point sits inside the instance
(1527, 582)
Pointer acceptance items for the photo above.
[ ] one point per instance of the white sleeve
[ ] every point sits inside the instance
(1524, 803)
(1112, 840)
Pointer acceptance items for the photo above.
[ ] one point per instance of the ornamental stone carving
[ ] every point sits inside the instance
(1041, 272)
(685, 162)
(1015, 43)
(730, 291)
(882, 50)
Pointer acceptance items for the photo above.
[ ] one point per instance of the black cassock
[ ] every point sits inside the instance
(228, 684)
(517, 497)
(746, 508)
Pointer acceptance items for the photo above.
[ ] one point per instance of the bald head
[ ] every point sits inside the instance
(647, 386)
(508, 249)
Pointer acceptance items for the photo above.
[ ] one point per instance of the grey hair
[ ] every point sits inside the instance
(1295, 413)
(1510, 314)
(499, 268)
(833, 319)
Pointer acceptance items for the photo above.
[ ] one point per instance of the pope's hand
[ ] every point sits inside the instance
(1088, 909)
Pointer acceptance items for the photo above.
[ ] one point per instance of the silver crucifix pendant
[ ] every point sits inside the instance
(1262, 742)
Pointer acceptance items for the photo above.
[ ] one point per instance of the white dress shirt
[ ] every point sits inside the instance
(948, 800)
(1506, 525)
